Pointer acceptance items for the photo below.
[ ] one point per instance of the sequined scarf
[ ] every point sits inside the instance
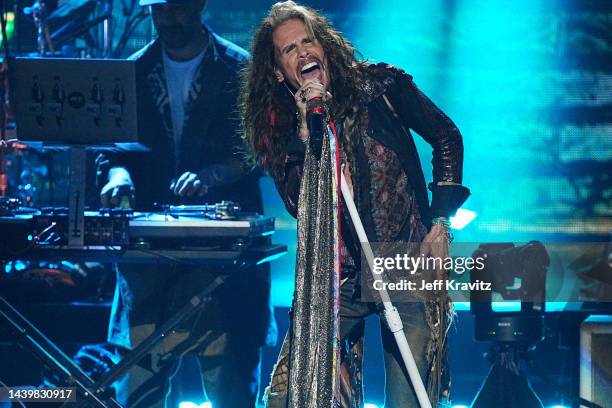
(315, 353)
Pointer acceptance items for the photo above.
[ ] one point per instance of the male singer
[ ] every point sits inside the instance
(298, 58)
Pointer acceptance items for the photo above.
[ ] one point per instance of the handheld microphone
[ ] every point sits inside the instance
(316, 113)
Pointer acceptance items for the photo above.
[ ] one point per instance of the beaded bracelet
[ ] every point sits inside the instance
(446, 224)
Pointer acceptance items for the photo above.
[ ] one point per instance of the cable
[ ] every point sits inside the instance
(4, 109)
(18, 399)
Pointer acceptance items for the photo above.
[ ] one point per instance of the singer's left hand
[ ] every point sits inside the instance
(436, 245)
(188, 185)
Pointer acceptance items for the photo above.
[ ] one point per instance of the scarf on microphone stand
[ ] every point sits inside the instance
(314, 338)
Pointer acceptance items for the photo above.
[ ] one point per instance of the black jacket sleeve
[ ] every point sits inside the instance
(416, 111)
(288, 184)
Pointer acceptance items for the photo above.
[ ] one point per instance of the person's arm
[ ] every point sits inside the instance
(198, 183)
(228, 167)
(289, 185)
(114, 181)
(418, 112)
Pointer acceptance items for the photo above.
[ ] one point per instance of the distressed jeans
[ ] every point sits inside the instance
(399, 392)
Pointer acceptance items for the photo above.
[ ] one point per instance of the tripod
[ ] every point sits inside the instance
(513, 334)
(505, 385)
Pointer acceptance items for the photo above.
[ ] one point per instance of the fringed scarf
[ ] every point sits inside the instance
(314, 351)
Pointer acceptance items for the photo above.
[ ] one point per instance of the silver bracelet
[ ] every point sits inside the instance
(446, 225)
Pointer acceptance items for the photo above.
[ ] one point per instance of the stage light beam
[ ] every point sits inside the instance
(462, 218)
(189, 404)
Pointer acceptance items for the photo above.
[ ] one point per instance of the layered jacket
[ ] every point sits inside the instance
(389, 184)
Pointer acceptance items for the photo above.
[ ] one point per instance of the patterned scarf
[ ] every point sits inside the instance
(315, 353)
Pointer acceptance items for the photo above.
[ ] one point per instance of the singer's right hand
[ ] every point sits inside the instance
(311, 89)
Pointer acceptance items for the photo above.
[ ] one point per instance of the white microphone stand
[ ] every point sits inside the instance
(391, 315)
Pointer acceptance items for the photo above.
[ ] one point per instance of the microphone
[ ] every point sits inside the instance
(316, 113)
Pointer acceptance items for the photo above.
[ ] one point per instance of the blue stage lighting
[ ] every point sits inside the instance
(370, 405)
(462, 218)
(506, 306)
(459, 406)
(558, 406)
(189, 404)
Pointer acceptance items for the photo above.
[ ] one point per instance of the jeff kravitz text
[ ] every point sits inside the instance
(435, 285)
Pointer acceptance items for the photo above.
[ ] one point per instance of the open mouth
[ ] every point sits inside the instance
(311, 70)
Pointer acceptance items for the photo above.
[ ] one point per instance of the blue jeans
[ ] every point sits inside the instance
(399, 392)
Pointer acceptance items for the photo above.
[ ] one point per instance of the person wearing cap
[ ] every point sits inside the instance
(187, 82)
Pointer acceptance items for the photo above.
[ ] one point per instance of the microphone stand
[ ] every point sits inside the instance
(390, 313)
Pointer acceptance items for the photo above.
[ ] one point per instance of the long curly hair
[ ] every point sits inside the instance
(268, 110)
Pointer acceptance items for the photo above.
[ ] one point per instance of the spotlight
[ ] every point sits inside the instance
(189, 404)
(462, 218)
(558, 406)
(369, 405)
(459, 406)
